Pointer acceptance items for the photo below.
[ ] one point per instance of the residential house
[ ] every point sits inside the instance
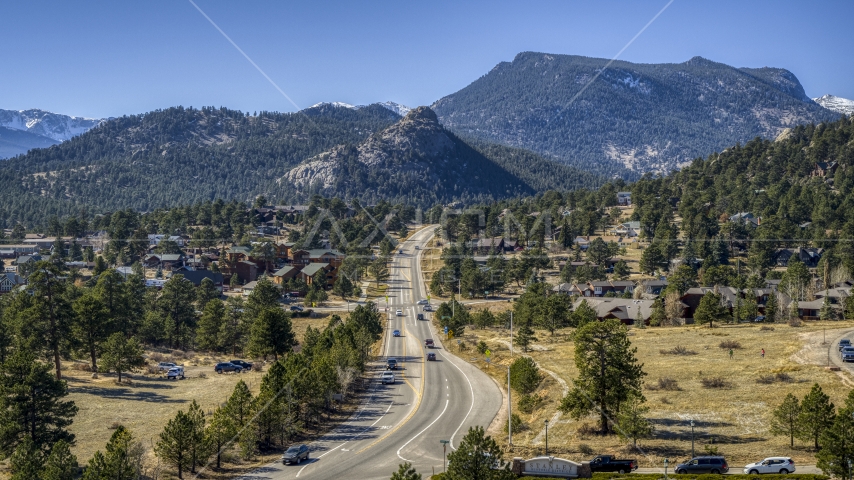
(283, 250)
(165, 261)
(316, 274)
(653, 286)
(835, 295)
(810, 310)
(284, 274)
(15, 251)
(823, 169)
(624, 199)
(626, 310)
(692, 298)
(246, 270)
(155, 239)
(600, 288)
(566, 289)
(511, 245)
(628, 229)
(196, 276)
(249, 287)
(333, 258)
(807, 256)
(489, 245)
(746, 218)
(10, 281)
(582, 242)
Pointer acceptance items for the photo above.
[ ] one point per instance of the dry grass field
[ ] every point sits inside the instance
(733, 417)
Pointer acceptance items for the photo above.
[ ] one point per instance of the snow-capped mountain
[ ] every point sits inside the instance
(836, 104)
(397, 108)
(51, 125)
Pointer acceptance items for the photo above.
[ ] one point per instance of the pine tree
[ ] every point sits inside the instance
(343, 287)
(26, 461)
(837, 446)
(117, 463)
(631, 424)
(206, 292)
(771, 308)
(176, 441)
(476, 458)
(122, 354)
(271, 334)
(210, 325)
(524, 375)
(239, 404)
(62, 465)
(525, 335)
(406, 472)
(176, 304)
(710, 310)
(816, 416)
(220, 433)
(92, 324)
(608, 372)
(32, 404)
(784, 418)
(198, 453)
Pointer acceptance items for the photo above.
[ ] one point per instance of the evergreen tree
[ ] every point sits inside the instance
(524, 375)
(92, 324)
(583, 315)
(525, 335)
(816, 415)
(406, 472)
(784, 418)
(271, 334)
(631, 423)
(232, 331)
(198, 453)
(32, 405)
(710, 310)
(122, 354)
(62, 465)
(117, 463)
(476, 458)
(837, 446)
(211, 325)
(771, 308)
(206, 292)
(219, 433)
(264, 296)
(239, 405)
(26, 462)
(608, 372)
(621, 270)
(176, 304)
(176, 442)
(343, 287)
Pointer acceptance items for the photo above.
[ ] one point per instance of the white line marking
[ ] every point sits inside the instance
(422, 431)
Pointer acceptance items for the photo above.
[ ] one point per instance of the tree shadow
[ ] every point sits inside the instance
(120, 393)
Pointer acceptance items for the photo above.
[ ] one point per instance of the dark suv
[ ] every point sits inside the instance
(295, 454)
(227, 367)
(715, 465)
(242, 364)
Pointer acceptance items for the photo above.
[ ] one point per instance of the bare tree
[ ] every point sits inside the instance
(673, 308)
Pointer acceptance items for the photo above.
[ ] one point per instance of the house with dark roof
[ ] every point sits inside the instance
(653, 286)
(692, 298)
(626, 310)
(196, 276)
(284, 274)
(316, 274)
(823, 169)
(746, 218)
(246, 271)
(10, 281)
(807, 256)
(624, 199)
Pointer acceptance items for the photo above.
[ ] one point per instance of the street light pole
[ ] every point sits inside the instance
(692, 438)
(511, 336)
(547, 436)
(509, 412)
(444, 454)
(666, 462)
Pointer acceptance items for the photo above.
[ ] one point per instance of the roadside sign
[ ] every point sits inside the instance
(446, 329)
(488, 354)
(450, 334)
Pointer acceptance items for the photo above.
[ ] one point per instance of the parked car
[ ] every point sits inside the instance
(223, 367)
(387, 377)
(607, 463)
(431, 357)
(844, 343)
(174, 373)
(704, 464)
(783, 465)
(399, 312)
(165, 366)
(428, 342)
(296, 308)
(295, 454)
(420, 316)
(395, 333)
(848, 354)
(391, 364)
(242, 364)
(423, 301)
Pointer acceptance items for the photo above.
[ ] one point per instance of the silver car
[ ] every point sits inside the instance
(783, 465)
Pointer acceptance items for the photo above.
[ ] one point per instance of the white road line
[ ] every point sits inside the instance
(422, 431)
(471, 388)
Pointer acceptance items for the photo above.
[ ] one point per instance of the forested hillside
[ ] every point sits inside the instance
(631, 118)
(172, 157)
(418, 162)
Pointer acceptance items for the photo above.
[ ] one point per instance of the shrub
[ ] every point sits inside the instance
(585, 449)
(795, 322)
(665, 400)
(715, 382)
(177, 354)
(115, 425)
(677, 350)
(669, 384)
(781, 377)
(81, 367)
(482, 347)
(766, 328)
(524, 375)
(730, 344)
(156, 357)
(765, 379)
(203, 375)
(528, 403)
(516, 422)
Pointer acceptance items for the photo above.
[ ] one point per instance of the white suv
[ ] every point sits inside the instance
(399, 312)
(165, 366)
(175, 372)
(783, 465)
(387, 377)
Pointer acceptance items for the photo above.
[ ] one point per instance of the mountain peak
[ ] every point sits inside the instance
(422, 113)
(836, 104)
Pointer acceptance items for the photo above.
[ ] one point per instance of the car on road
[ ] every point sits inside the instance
(607, 463)
(400, 251)
(296, 308)
(165, 366)
(847, 354)
(296, 454)
(223, 367)
(704, 464)
(428, 342)
(391, 364)
(417, 247)
(783, 465)
(428, 308)
(387, 377)
(420, 316)
(174, 373)
(431, 357)
(399, 312)
(395, 333)
(844, 343)
(423, 301)
(242, 364)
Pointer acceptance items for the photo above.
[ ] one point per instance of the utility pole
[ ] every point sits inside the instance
(511, 343)
(509, 412)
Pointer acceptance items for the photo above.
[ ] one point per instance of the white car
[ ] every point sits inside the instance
(423, 301)
(399, 312)
(175, 372)
(783, 465)
(428, 308)
(387, 377)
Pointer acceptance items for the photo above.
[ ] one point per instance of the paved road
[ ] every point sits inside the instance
(430, 401)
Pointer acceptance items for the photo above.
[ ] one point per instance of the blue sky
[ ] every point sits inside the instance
(107, 58)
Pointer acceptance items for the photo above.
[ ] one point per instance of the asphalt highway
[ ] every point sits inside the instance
(404, 421)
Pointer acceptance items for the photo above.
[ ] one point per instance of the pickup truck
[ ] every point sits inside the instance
(607, 463)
